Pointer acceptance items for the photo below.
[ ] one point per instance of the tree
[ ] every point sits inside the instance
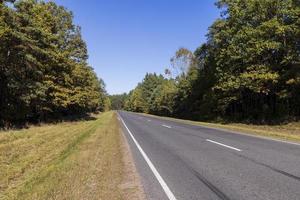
(135, 101)
(118, 101)
(163, 98)
(248, 70)
(256, 47)
(43, 64)
(180, 63)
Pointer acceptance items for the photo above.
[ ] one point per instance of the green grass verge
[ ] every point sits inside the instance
(70, 160)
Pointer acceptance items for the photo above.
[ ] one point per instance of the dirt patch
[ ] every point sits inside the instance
(131, 186)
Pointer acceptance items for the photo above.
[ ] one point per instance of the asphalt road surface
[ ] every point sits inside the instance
(180, 161)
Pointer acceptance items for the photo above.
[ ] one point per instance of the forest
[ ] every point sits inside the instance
(44, 73)
(248, 70)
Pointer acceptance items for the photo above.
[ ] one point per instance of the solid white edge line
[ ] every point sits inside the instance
(161, 181)
(249, 135)
(166, 126)
(276, 140)
(224, 145)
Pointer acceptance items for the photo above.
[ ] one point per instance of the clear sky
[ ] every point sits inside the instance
(127, 38)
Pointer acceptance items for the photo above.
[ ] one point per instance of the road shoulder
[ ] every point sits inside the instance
(131, 185)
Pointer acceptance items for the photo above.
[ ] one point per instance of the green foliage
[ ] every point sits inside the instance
(118, 101)
(136, 102)
(163, 98)
(43, 64)
(249, 68)
(144, 98)
(256, 51)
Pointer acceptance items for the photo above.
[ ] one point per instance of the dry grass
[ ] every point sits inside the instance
(72, 160)
(290, 131)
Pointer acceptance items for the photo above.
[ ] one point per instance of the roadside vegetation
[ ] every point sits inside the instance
(44, 73)
(117, 101)
(248, 70)
(70, 160)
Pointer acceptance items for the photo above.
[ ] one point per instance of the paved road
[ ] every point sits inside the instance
(180, 161)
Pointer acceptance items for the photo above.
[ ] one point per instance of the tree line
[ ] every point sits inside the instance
(44, 72)
(247, 70)
(117, 101)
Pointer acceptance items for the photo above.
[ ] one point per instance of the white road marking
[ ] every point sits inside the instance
(149, 120)
(230, 147)
(247, 134)
(166, 126)
(242, 133)
(276, 140)
(161, 181)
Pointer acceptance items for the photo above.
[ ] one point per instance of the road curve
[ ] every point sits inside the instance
(177, 161)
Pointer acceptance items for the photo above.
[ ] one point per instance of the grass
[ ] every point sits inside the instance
(70, 160)
(289, 132)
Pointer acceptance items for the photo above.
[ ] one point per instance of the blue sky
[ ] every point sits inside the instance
(127, 38)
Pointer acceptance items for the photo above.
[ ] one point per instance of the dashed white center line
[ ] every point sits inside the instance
(224, 145)
(166, 126)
